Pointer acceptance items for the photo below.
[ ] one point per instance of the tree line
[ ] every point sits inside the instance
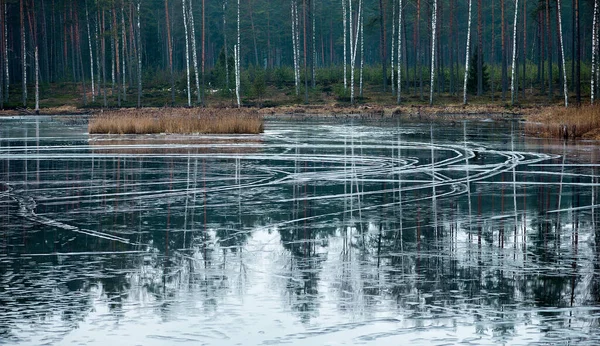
(115, 49)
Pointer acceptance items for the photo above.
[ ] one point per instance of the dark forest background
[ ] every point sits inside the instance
(66, 41)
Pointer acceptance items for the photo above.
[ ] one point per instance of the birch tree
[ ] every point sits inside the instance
(393, 45)
(467, 53)
(89, 35)
(187, 52)
(237, 58)
(433, 37)
(5, 39)
(23, 53)
(194, 50)
(294, 8)
(123, 53)
(594, 51)
(344, 15)
(139, 54)
(514, 55)
(399, 79)
(362, 50)
(562, 52)
(354, 35)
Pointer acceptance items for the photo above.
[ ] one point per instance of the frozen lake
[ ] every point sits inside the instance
(319, 232)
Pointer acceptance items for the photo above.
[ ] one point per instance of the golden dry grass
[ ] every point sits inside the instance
(177, 120)
(565, 123)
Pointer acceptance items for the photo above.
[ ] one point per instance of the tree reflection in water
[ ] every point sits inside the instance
(341, 226)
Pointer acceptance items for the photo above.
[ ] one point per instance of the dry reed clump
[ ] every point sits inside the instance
(177, 120)
(566, 123)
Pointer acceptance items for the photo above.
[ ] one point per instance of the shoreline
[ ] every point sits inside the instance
(336, 110)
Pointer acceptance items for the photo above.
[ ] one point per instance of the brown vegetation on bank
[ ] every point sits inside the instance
(565, 123)
(176, 120)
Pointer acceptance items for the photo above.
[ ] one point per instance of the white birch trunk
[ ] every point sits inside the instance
(354, 35)
(399, 89)
(393, 44)
(562, 53)
(97, 40)
(7, 74)
(467, 53)
(237, 74)
(314, 44)
(112, 56)
(344, 15)
(139, 54)
(433, 34)
(24, 57)
(514, 55)
(351, 31)
(89, 34)
(362, 49)
(123, 55)
(294, 45)
(187, 53)
(237, 58)
(594, 34)
(194, 52)
(297, 19)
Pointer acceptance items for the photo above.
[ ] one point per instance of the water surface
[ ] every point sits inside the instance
(322, 232)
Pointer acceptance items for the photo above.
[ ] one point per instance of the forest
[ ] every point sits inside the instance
(134, 53)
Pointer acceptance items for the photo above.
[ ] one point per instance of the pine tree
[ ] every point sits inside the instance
(473, 80)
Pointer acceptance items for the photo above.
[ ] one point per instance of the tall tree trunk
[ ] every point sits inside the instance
(345, 15)
(399, 91)
(524, 77)
(362, 47)
(382, 44)
(2, 71)
(504, 67)
(139, 55)
(34, 40)
(79, 56)
(103, 50)
(419, 51)
(294, 7)
(313, 60)
(115, 30)
(549, 51)
(594, 35)
(237, 58)
(514, 55)
(479, 51)
(467, 53)
(89, 35)
(170, 47)
(23, 54)
(5, 39)
(187, 52)
(203, 52)
(123, 52)
(577, 54)
(562, 52)
(225, 46)
(304, 19)
(194, 49)
(250, 7)
(433, 37)
(451, 46)
(393, 85)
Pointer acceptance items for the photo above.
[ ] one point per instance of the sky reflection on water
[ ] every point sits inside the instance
(316, 232)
